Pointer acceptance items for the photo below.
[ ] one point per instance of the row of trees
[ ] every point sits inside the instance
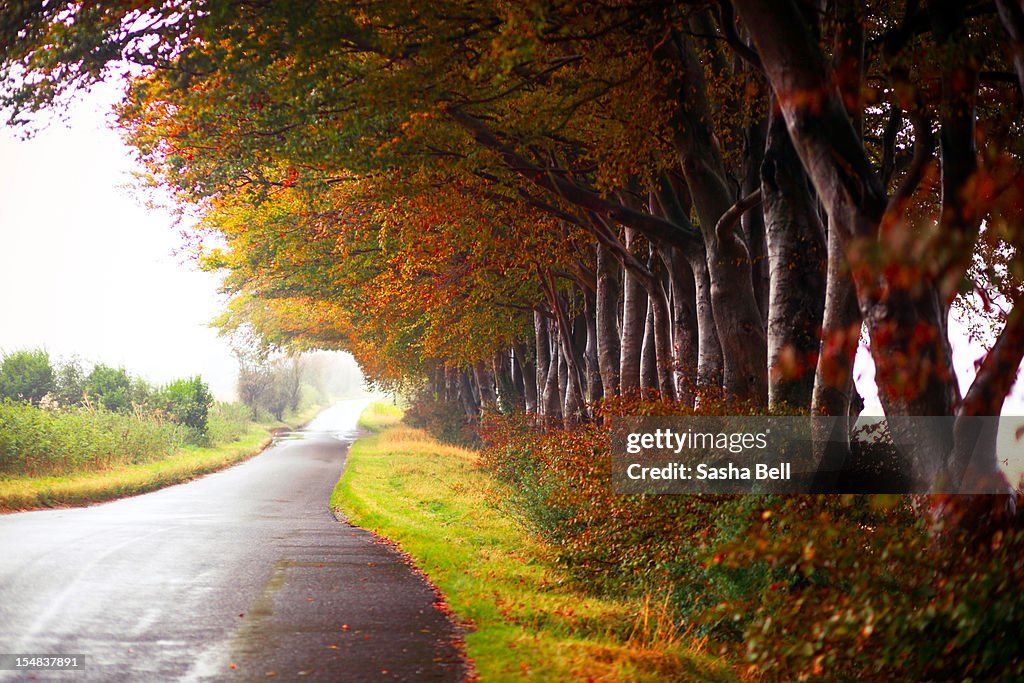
(541, 205)
(29, 376)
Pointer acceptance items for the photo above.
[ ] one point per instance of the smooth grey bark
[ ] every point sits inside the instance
(485, 385)
(1011, 13)
(552, 391)
(974, 465)
(516, 373)
(562, 368)
(570, 376)
(661, 320)
(740, 328)
(595, 386)
(685, 336)
(914, 371)
(834, 395)
(570, 405)
(673, 198)
(509, 391)
(753, 222)
(542, 347)
(710, 361)
(797, 257)
(469, 401)
(607, 321)
(451, 385)
(648, 353)
(634, 311)
(960, 221)
(528, 373)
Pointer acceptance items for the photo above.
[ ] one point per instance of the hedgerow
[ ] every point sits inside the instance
(841, 587)
(36, 442)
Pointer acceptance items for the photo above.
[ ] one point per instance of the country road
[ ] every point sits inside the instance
(241, 575)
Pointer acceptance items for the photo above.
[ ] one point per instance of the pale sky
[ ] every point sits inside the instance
(965, 353)
(85, 269)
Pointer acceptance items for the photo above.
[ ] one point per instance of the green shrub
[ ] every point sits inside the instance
(187, 402)
(26, 376)
(37, 442)
(227, 422)
(110, 388)
(69, 383)
(864, 590)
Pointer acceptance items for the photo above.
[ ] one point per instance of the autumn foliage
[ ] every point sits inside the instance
(799, 588)
(536, 209)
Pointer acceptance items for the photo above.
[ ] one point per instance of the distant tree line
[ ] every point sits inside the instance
(271, 385)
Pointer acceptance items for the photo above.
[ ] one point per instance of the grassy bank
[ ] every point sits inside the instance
(525, 620)
(84, 488)
(380, 415)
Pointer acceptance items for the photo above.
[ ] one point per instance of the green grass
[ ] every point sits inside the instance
(526, 621)
(84, 488)
(380, 415)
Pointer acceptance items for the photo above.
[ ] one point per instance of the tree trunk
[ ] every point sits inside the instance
(648, 353)
(833, 379)
(1011, 13)
(607, 322)
(737, 318)
(796, 252)
(469, 402)
(447, 396)
(898, 299)
(662, 324)
(528, 373)
(510, 396)
(485, 385)
(595, 387)
(753, 222)
(710, 364)
(685, 337)
(552, 392)
(570, 378)
(543, 359)
(634, 310)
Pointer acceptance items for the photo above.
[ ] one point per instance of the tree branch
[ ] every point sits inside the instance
(924, 152)
(731, 217)
(999, 370)
(650, 226)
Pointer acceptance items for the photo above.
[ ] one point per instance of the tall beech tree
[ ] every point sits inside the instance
(539, 206)
(906, 274)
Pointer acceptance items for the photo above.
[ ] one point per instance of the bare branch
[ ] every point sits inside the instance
(731, 217)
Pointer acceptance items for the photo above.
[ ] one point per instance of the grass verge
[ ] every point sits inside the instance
(27, 493)
(525, 620)
(380, 415)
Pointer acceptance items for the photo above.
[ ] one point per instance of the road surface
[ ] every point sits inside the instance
(241, 575)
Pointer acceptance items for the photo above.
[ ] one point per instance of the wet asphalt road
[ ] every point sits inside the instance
(245, 567)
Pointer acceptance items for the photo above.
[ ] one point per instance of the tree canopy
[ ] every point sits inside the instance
(540, 205)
